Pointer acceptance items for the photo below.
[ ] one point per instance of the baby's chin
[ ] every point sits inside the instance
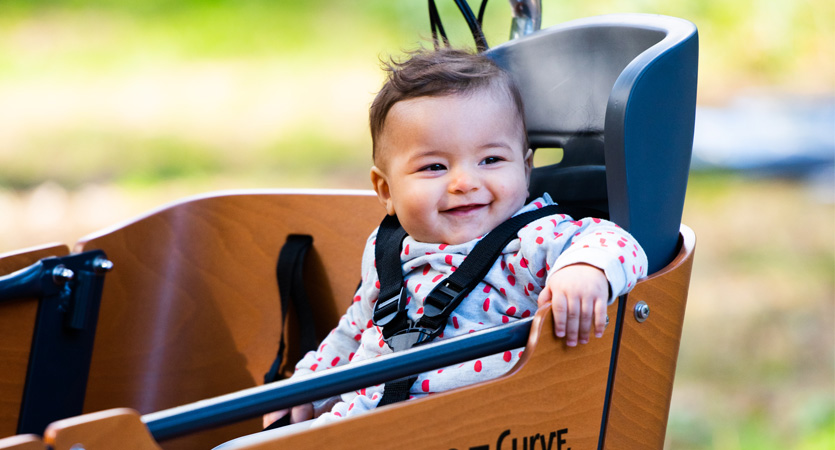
(451, 238)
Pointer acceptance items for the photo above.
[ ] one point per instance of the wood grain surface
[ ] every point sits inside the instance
(119, 428)
(17, 323)
(191, 308)
(646, 365)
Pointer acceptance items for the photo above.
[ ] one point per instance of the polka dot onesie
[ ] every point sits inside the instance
(508, 293)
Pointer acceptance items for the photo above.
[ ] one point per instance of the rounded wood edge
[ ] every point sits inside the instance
(81, 244)
(687, 240)
(120, 428)
(18, 259)
(648, 353)
(22, 442)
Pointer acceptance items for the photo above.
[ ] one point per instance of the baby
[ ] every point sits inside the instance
(451, 160)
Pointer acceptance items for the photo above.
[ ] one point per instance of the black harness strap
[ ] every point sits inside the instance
(397, 390)
(388, 308)
(400, 332)
(289, 273)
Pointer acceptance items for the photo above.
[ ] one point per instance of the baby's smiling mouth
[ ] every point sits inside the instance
(464, 209)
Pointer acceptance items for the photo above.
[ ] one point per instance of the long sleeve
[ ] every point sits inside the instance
(560, 241)
(507, 293)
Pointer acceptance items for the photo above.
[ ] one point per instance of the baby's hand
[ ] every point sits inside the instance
(579, 294)
(297, 414)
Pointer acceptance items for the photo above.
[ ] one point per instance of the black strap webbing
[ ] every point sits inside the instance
(397, 391)
(387, 254)
(289, 274)
(449, 293)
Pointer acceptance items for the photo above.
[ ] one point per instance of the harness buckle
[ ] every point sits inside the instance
(408, 338)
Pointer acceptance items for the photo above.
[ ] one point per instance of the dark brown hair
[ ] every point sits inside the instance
(440, 72)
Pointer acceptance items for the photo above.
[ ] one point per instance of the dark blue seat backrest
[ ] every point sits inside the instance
(618, 94)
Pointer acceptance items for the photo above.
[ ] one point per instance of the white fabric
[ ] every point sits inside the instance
(508, 293)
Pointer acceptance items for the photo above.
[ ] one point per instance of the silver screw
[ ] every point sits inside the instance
(61, 275)
(641, 311)
(102, 265)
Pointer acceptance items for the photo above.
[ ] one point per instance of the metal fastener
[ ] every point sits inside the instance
(102, 265)
(61, 275)
(641, 311)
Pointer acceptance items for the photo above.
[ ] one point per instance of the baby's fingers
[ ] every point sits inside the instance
(544, 296)
(572, 326)
(559, 307)
(586, 306)
(600, 317)
(269, 418)
(301, 413)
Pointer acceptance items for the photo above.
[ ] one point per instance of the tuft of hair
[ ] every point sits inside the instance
(445, 71)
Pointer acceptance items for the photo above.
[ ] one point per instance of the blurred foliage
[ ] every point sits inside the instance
(80, 44)
(756, 360)
(761, 41)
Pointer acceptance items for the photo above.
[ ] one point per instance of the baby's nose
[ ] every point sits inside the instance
(464, 181)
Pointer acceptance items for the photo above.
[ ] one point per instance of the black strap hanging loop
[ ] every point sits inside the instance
(290, 277)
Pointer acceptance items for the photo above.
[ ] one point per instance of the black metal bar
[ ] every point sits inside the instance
(34, 281)
(473, 24)
(613, 362)
(259, 400)
(69, 289)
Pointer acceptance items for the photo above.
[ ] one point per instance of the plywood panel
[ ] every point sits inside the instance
(17, 323)
(191, 308)
(646, 366)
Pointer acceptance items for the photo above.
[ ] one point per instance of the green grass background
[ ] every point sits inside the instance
(111, 107)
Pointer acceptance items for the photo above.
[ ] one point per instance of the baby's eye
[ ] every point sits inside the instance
(492, 160)
(433, 167)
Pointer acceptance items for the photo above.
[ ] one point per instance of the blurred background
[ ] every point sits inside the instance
(110, 108)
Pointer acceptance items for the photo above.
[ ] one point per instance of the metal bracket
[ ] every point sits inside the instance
(69, 292)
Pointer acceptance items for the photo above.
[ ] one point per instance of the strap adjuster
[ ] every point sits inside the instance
(385, 311)
(445, 296)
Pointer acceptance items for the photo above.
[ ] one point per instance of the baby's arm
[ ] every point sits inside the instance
(593, 262)
(579, 295)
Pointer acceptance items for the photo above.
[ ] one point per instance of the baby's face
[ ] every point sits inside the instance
(452, 167)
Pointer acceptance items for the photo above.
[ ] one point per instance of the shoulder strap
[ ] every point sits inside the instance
(390, 310)
(390, 237)
(290, 276)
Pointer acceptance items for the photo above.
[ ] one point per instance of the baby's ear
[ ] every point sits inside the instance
(381, 187)
(528, 166)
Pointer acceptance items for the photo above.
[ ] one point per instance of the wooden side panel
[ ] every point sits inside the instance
(646, 364)
(191, 308)
(120, 428)
(17, 323)
(554, 394)
(22, 442)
